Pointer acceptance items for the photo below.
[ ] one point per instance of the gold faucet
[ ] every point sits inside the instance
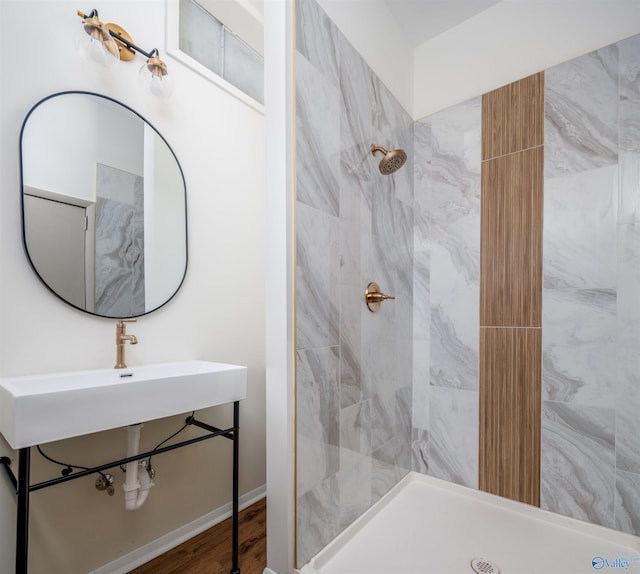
(121, 339)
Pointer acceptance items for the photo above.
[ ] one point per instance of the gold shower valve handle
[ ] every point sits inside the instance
(374, 297)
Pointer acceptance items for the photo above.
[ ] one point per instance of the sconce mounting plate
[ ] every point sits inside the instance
(126, 53)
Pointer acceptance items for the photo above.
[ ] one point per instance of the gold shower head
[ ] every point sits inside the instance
(392, 160)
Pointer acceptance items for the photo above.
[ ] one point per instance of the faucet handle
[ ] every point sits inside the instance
(121, 322)
(374, 297)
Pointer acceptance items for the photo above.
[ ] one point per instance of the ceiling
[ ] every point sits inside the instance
(421, 20)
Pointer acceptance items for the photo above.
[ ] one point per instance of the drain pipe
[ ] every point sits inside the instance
(137, 485)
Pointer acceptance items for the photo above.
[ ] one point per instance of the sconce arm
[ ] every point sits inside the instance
(132, 46)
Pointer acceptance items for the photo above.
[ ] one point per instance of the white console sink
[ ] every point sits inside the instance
(43, 408)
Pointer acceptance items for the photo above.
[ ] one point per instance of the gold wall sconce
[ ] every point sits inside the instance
(108, 43)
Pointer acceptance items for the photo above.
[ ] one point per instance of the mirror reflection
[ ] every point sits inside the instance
(104, 205)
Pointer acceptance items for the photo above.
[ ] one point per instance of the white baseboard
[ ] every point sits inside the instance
(159, 546)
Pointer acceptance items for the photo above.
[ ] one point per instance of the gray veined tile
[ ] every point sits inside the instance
(627, 411)
(390, 463)
(318, 514)
(421, 385)
(392, 129)
(318, 273)
(630, 125)
(351, 305)
(455, 184)
(383, 418)
(628, 502)
(629, 295)
(421, 230)
(629, 61)
(356, 90)
(318, 417)
(420, 451)
(351, 385)
(456, 133)
(581, 113)
(453, 362)
(629, 55)
(404, 354)
(422, 152)
(355, 428)
(454, 435)
(403, 246)
(580, 234)
(629, 186)
(367, 249)
(317, 139)
(317, 39)
(579, 346)
(390, 120)
(403, 178)
(355, 484)
(421, 296)
(578, 462)
(384, 229)
(350, 237)
(403, 399)
(455, 323)
(352, 389)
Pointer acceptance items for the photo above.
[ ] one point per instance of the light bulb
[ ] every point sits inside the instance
(99, 55)
(155, 78)
(99, 48)
(156, 86)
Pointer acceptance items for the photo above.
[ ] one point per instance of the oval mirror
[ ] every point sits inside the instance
(103, 205)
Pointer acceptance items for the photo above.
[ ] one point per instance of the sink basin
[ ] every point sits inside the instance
(43, 408)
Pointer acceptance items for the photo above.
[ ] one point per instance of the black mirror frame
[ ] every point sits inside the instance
(22, 207)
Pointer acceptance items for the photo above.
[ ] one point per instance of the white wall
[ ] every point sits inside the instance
(217, 315)
(512, 40)
(280, 285)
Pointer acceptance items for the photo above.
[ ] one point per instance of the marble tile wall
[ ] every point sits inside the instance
(591, 297)
(446, 293)
(353, 226)
(119, 247)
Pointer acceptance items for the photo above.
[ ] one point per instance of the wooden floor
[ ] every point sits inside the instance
(210, 552)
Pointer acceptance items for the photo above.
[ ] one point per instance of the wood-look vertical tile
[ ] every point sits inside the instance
(513, 117)
(511, 240)
(510, 406)
(511, 289)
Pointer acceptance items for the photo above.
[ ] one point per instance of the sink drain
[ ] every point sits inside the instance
(482, 566)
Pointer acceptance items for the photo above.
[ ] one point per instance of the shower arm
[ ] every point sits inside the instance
(376, 148)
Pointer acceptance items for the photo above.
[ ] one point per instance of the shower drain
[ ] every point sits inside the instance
(482, 566)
